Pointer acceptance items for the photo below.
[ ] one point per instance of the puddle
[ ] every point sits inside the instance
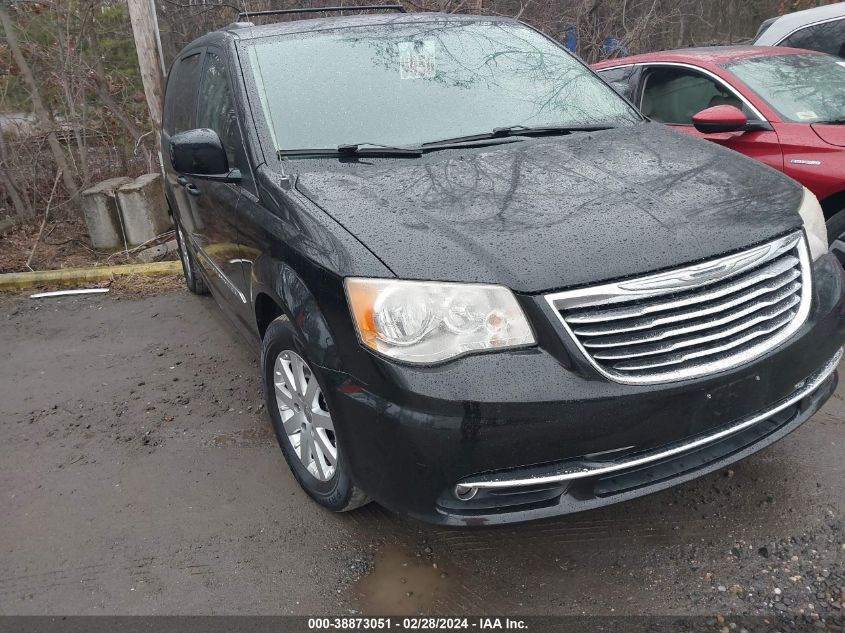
(403, 583)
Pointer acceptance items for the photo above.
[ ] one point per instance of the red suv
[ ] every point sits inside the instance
(782, 106)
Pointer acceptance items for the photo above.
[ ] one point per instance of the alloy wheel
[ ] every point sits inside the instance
(305, 415)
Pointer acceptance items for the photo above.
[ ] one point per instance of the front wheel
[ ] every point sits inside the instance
(303, 423)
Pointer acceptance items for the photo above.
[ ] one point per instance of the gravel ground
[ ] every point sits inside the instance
(139, 475)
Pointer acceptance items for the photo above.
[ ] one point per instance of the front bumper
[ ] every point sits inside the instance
(590, 482)
(520, 435)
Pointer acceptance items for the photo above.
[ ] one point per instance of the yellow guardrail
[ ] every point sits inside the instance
(77, 276)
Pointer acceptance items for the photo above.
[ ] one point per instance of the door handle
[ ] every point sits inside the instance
(192, 189)
(182, 180)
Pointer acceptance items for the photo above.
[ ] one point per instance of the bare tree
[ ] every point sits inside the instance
(19, 199)
(41, 111)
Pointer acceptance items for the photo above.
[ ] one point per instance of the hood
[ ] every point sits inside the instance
(833, 134)
(552, 213)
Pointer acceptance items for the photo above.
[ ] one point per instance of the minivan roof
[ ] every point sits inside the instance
(781, 27)
(246, 31)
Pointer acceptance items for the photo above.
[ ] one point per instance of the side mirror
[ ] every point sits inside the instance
(721, 118)
(200, 153)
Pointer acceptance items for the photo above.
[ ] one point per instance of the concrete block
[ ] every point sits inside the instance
(101, 213)
(143, 209)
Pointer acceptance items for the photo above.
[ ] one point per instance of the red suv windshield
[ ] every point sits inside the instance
(801, 88)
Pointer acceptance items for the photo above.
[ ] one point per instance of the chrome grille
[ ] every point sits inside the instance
(695, 320)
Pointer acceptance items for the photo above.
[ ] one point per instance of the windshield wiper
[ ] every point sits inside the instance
(354, 150)
(496, 136)
(358, 150)
(523, 130)
(831, 122)
(518, 130)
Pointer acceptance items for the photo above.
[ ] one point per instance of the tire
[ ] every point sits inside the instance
(835, 226)
(193, 278)
(281, 352)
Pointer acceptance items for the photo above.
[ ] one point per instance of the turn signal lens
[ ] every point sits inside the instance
(428, 322)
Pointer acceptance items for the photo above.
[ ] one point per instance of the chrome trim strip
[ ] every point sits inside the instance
(783, 284)
(647, 363)
(223, 277)
(766, 273)
(804, 388)
(736, 263)
(645, 348)
(676, 280)
(651, 332)
(199, 250)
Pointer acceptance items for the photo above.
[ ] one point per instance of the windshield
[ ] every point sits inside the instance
(803, 88)
(412, 83)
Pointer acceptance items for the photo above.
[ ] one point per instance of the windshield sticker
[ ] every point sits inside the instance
(807, 115)
(416, 59)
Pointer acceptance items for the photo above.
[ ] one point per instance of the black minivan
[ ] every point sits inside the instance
(484, 287)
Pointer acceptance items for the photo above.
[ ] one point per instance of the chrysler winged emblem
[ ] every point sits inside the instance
(700, 274)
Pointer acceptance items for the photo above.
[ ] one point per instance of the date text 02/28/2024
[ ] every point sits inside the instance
(415, 624)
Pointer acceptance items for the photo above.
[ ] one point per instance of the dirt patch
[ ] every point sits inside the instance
(140, 287)
(245, 438)
(63, 244)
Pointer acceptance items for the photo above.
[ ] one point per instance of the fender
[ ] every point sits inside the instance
(302, 247)
(282, 285)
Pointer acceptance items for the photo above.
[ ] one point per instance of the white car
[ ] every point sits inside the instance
(818, 29)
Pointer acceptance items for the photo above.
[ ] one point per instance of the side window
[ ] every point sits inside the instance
(622, 80)
(674, 95)
(827, 37)
(181, 94)
(216, 110)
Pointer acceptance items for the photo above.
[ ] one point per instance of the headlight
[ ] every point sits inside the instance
(814, 226)
(428, 322)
